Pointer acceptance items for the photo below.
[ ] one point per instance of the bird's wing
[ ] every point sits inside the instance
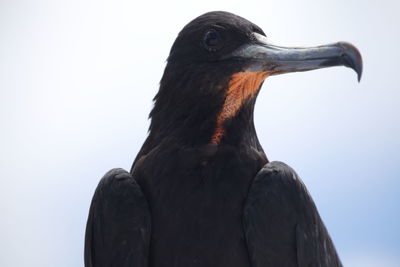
(281, 223)
(118, 227)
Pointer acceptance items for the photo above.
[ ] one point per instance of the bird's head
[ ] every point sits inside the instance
(215, 69)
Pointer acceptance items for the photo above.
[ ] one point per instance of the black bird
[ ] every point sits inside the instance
(201, 191)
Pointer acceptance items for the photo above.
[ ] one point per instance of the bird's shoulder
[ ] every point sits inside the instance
(277, 179)
(118, 226)
(281, 222)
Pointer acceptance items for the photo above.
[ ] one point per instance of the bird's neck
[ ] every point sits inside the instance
(192, 109)
(238, 106)
(205, 126)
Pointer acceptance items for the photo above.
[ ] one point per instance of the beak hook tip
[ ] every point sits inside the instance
(352, 58)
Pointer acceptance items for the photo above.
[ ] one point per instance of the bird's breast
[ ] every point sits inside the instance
(196, 204)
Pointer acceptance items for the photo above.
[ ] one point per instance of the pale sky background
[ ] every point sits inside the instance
(76, 82)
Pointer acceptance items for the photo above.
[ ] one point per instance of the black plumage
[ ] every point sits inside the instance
(296, 234)
(201, 191)
(118, 227)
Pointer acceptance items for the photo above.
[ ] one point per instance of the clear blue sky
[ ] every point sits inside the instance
(76, 83)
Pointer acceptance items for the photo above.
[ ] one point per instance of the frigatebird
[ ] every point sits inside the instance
(201, 191)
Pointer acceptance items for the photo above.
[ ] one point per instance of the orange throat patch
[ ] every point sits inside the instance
(242, 86)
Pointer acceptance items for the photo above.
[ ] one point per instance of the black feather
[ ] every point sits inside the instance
(282, 224)
(118, 227)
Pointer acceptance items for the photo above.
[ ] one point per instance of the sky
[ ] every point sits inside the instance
(77, 80)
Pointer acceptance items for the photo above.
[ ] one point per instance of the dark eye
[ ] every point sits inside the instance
(212, 40)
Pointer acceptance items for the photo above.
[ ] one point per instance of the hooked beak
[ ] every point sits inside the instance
(263, 56)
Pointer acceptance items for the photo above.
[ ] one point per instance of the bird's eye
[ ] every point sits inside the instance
(212, 40)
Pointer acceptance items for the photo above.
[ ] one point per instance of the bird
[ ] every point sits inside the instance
(201, 191)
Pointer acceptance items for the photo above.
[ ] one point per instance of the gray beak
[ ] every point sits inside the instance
(263, 56)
